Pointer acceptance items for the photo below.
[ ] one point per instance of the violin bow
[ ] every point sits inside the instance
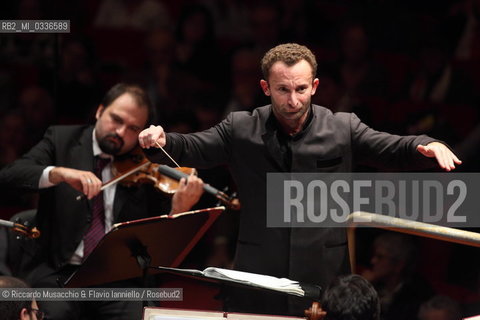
(119, 178)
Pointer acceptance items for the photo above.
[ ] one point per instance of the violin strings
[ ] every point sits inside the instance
(158, 145)
(126, 174)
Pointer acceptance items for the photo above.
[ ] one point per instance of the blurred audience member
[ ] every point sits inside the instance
(27, 49)
(322, 19)
(181, 122)
(200, 66)
(245, 90)
(13, 143)
(231, 19)
(36, 108)
(293, 20)
(331, 94)
(207, 114)
(472, 308)
(196, 48)
(439, 308)
(265, 26)
(392, 272)
(355, 79)
(139, 15)
(76, 78)
(465, 21)
(163, 81)
(12, 137)
(434, 94)
(359, 74)
(7, 81)
(329, 89)
(435, 80)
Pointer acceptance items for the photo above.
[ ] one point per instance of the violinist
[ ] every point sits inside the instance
(68, 163)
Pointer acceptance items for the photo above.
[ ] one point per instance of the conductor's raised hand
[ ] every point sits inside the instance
(445, 157)
(84, 181)
(153, 136)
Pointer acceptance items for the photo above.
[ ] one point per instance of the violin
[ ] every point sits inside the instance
(32, 233)
(134, 169)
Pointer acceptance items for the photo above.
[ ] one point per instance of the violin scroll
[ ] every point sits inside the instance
(32, 233)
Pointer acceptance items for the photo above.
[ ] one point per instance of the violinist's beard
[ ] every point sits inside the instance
(111, 144)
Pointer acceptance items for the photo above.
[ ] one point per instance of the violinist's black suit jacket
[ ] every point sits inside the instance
(248, 143)
(61, 218)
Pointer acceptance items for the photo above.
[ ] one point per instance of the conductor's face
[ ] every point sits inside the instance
(119, 124)
(290, 89)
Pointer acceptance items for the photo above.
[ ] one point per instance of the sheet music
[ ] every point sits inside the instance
(280, 284)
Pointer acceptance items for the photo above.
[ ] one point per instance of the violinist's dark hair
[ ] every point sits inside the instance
(137, 92)
(10, 310)
(351, 297)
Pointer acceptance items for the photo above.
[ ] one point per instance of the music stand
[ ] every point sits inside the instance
(310, 291)
(130, 248)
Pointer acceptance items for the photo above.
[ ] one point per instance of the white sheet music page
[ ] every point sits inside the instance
(281, 284)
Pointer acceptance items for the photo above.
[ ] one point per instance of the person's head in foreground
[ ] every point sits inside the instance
(351, 297)
(18, 310)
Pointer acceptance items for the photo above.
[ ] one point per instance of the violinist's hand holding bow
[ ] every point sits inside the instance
(188, 193)
(152, 137)
(84, 181)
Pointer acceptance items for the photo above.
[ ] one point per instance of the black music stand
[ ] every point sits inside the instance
(132, 247)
